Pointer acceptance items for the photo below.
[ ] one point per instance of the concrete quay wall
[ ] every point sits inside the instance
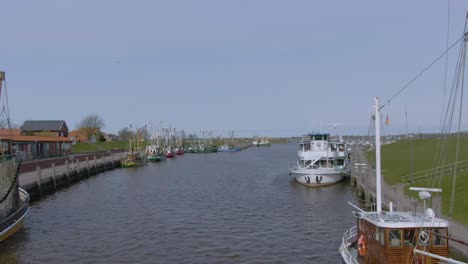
(48, 177)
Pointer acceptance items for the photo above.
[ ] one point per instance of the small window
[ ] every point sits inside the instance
(408, 238)
(394, 238)
(439, 237)
(377, 233)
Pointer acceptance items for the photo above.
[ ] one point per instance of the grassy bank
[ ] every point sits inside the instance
(396, 162)
(82, 147)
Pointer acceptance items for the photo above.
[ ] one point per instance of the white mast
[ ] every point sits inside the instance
(378, 175)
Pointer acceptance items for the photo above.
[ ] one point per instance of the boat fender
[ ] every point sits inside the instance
(362, 246)
(423, 237)
(307, 179)
(318, 179)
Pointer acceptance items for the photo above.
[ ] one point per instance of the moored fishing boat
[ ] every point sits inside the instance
(264, 142)
(394, 236)
(170, 153)
(154, 153)
(134, 156)
(14, 201)
(320, 161)
(179, 151)
(228, 148)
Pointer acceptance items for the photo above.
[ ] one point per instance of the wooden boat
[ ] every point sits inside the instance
(396, 237)
(14, 201)
(134, 156)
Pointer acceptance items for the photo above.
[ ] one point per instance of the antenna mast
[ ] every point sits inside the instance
(378, 182)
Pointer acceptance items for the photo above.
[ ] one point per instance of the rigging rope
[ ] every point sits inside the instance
(423, 71)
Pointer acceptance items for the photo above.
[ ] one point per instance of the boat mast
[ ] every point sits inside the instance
(378, 175)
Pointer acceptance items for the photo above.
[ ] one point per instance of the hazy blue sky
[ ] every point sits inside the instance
(256, 67)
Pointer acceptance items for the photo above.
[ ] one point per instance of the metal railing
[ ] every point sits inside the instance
(347, 236)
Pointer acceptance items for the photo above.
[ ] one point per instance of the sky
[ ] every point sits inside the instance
(257, 67)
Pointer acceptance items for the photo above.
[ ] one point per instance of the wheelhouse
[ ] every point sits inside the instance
(392, 237)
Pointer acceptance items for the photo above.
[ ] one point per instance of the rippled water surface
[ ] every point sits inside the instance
(237, 207)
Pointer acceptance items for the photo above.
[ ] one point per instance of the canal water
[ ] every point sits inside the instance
(239, 207)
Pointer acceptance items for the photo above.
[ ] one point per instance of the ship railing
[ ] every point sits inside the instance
(348, 238)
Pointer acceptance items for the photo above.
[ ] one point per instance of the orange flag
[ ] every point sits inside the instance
(387, 121)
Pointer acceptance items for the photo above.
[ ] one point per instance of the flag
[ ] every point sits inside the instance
(387, 121)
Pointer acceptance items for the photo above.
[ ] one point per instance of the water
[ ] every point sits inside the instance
(237, 207)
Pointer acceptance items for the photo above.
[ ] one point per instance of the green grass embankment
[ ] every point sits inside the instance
(82, 147)
(396, 162)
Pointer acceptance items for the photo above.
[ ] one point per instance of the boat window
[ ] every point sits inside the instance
(409, 237)
(382, 236)
(307, 147)
(437, 237)
(333, 147)
(307, 163)
(394, 238)
(325, 137)
(323, 163)
(341, 147)
(340, 162)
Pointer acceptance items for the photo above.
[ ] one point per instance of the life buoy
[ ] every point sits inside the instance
(362, 249)
(423, 237)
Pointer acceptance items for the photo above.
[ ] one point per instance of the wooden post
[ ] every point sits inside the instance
(95, 164)
(87, 165)
(78, 168)
(67, 171)
(39, 180)
(54, 181)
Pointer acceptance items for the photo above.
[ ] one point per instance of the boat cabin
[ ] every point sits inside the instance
(392, 237)
(316, 152)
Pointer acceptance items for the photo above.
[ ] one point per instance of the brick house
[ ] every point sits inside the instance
(56, 128)
(36, 140)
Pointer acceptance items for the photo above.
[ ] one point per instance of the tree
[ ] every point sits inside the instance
(125, 134)
(91, 125)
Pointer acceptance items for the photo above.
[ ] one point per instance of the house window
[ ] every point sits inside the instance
(438, 238)
(377, 233)
(394, 238)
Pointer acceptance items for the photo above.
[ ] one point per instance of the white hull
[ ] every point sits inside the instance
(317, 178)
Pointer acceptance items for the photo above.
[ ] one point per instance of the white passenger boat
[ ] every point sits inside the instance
(320, 161)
